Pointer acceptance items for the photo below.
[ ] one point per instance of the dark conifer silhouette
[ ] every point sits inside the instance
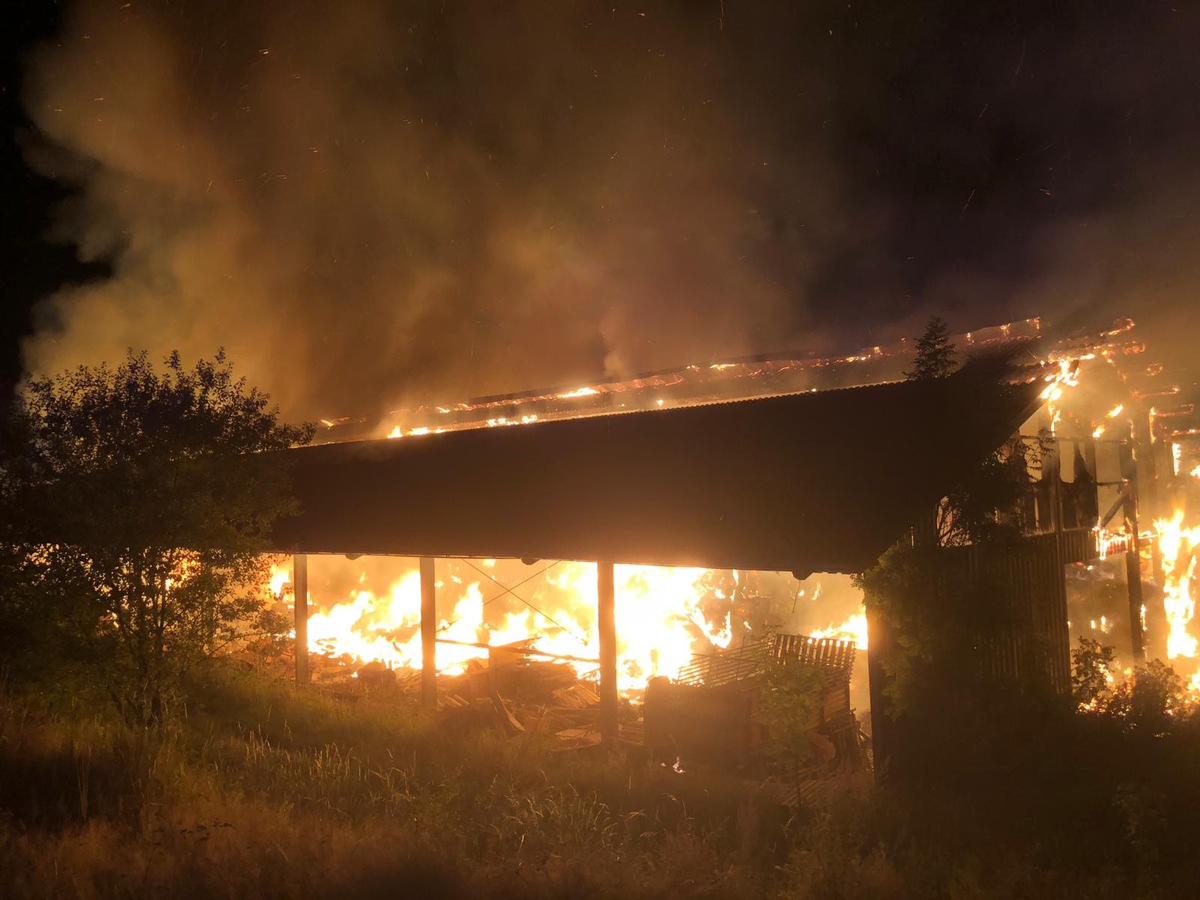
(935, 353)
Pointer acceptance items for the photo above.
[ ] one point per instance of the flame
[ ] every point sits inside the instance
(397, 432)
(664, 616)
(280, 579)
(1178, 545)
(1067, 376)
(661, 617)
(1109, 543)
(1111, 414)
(853, 629)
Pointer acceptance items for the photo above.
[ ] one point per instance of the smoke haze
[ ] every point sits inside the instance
(363, 202)
(372, 204)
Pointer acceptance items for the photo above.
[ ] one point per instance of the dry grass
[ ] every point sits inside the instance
(263, 791)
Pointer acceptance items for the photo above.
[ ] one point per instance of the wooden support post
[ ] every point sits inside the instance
(1149, 497)
(606, 625)
(300, 604)
(1133, 558)
(1133, 575)
(428, 634)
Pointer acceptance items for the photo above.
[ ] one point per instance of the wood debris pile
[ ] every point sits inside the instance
(510, 691)
(709, 712)
(522, 695)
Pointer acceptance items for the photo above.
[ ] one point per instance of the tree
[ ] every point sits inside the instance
(1092, 665)
(139, 520)
(941, 604)
(1150, 700)
(935, 353)
(790, 702)
(987, 506)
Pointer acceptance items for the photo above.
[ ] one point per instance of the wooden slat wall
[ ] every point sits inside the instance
(834, 657)
(1034, 648)
(1030, 591)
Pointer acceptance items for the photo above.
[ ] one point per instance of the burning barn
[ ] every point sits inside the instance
(683, 511)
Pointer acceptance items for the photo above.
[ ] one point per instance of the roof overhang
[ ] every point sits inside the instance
(808, 482)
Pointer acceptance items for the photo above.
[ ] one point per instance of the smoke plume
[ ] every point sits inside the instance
(374, 203)
(371, 203)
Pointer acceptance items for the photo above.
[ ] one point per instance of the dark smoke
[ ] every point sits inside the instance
(368, 202)
(377, 203)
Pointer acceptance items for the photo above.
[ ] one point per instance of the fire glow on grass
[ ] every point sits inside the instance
(663, 617)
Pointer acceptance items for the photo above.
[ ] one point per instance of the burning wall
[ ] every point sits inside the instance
(1110, 430)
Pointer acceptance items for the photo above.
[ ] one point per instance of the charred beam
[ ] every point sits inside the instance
(1133, 557)
(428, 634)
(300, 596)
(520, 651)
(1149, 496)
(607, 628)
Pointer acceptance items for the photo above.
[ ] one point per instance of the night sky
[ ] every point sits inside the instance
(372, 204)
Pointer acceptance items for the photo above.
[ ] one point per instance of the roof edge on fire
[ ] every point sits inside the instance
(822, 481)
(729, 378)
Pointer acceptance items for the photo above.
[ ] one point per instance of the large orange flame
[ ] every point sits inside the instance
(664, 616)
(1178, 545)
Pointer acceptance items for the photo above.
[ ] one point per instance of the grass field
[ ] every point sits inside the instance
(260, 790)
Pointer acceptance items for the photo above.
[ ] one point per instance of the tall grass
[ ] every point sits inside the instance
(260, 790)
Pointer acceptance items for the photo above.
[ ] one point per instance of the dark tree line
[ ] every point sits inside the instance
(133, 526)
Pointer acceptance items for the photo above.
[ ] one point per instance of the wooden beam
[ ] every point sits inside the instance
(1133, 577)
(300, 605)
(1149, 497)
(1133, 557)
(519, 651)
(428, 634)
(606, 625)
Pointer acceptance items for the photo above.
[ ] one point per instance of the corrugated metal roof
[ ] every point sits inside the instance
(809, 482)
